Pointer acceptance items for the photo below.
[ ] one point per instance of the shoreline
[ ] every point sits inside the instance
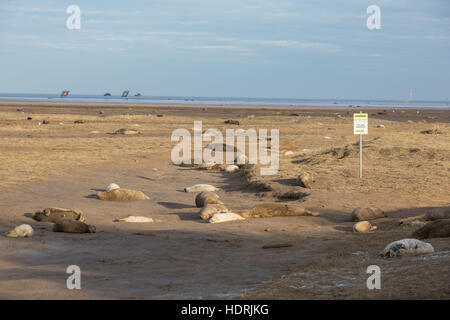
(432, 115)
(212, 105)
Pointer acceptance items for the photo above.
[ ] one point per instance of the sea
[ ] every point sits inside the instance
(221, 101)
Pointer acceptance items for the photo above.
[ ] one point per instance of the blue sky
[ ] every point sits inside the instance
(233, 48)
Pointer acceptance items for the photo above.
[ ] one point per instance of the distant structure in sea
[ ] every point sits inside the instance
(65, 93)
(107, 94)
(410, 94)
(125, 94)
(138, 95)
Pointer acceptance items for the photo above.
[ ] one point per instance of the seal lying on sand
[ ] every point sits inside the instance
(135, 219)
(73, 226)
(112, 186)
(22, 231)
(200, 188)
(435, 229)
(305, 180)
(207, 166)
(241, 159)
(225, 217)
(406, 247)
(122, 195)
(55, 214)
(432, 215)
(363, 226)
(367, 213)
(231, 168)
(207, 197)
(126, 131)
(211, 209)
(266, 210)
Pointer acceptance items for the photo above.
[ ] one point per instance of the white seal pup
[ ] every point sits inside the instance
(200, 188)
(231, 168)
(211, 209)
(363, 226)
(225, 217)
(112, 186)
(22, 231)
(140, 219)
(406, 247)
(241, 159)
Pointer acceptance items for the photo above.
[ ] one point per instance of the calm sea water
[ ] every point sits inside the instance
(225, 101)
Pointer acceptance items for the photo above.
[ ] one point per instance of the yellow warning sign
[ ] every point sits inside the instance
(360, 123)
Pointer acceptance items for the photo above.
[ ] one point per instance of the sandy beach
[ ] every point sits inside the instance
(179, 256)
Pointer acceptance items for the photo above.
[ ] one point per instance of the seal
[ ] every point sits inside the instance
(231, 122)
(135, 219)
(207, 166)
(363, 227)
(431, 215)
(231, 168)
(305, 180)
(55, 214)
(241, 159)
(434, 229)
(267, 210)
(406, 247)
(22, 231)
(200, 188)
(210, 209)
(367, 213)
(112, 186)
(122, 195)
(207, 197)
(126, 131)
(73, 226)
(225, 217)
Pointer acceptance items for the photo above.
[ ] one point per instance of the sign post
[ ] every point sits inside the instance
(360, 126)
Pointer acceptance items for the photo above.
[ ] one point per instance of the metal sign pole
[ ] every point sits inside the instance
(360, 155)
(360, 126)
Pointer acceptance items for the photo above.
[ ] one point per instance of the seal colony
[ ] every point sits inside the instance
(334, 175)
(214, 211)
